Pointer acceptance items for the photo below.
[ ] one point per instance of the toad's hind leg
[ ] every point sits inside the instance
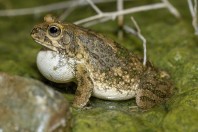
(155, 87)
(85, 87)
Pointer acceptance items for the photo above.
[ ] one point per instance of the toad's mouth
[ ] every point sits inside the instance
(46, 46)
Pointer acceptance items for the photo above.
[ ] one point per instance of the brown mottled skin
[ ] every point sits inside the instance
(103, 63)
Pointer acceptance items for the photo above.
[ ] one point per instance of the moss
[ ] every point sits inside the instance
(103, 120)
(181, 119)
(186, 99)
(183, 112)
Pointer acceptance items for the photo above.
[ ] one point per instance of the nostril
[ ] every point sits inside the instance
(32, 32)
(36, 31)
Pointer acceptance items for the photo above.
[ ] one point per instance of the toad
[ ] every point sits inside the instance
(101, 67)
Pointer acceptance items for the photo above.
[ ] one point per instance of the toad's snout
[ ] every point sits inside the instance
(34, 33)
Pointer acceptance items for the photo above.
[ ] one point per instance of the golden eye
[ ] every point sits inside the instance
(54, 31)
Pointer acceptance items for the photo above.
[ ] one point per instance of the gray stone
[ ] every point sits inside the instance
(27, 105)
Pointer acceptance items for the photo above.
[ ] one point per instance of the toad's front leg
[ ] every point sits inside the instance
(85, 87)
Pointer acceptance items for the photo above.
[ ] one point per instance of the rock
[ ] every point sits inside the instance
(27, 105)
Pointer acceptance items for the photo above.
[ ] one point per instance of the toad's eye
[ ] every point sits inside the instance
(54, 31)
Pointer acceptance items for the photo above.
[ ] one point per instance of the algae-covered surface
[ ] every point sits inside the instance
(171, 45)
